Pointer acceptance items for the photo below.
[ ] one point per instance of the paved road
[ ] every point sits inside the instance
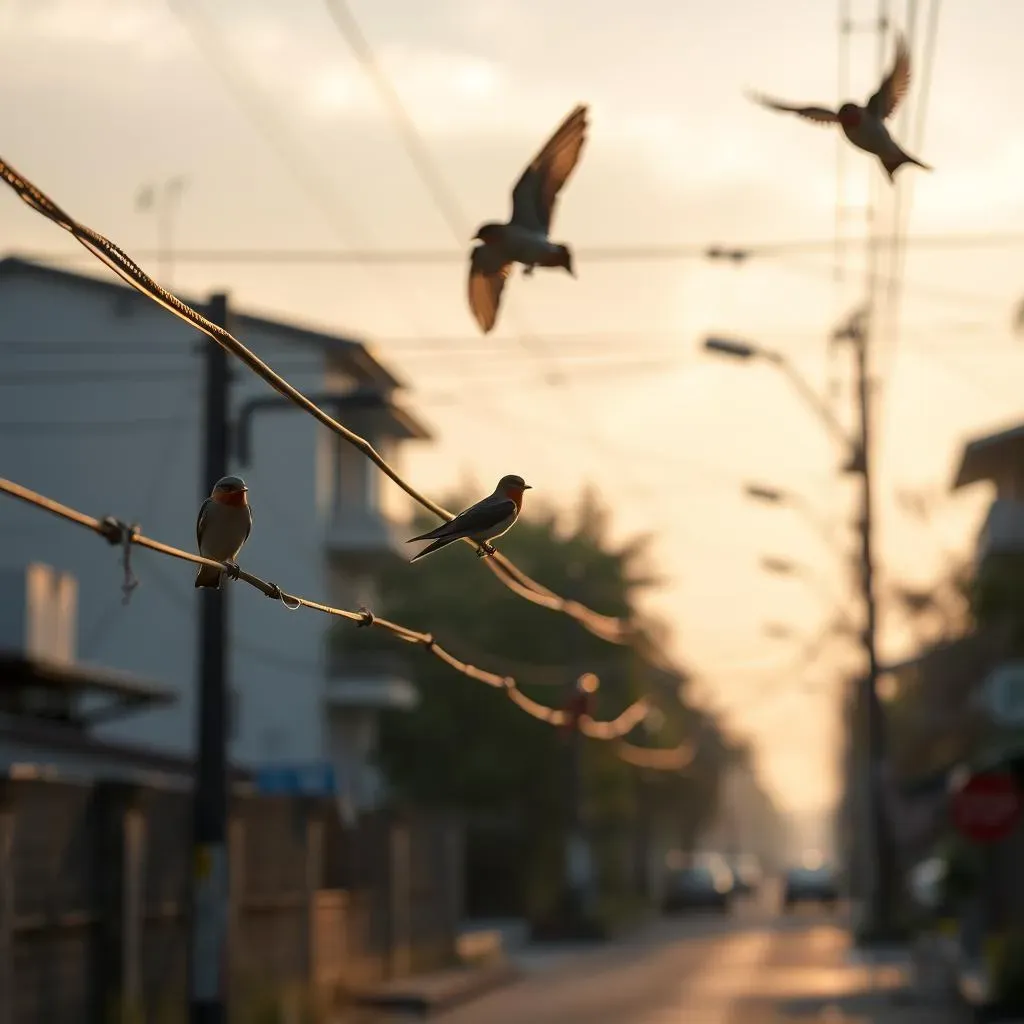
(753, 968)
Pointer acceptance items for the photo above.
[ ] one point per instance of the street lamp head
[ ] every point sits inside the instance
(730, 347)
(780, 566)
(761, 493)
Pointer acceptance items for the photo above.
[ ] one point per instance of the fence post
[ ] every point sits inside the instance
(6, 902)
(314, 880)
(400, 930)
(455, 877)
(119, 838)
(236, 893)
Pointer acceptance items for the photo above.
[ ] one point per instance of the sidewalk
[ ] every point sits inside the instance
(896, 985)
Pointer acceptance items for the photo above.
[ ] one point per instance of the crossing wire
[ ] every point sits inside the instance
(607, 627)
(116, 532)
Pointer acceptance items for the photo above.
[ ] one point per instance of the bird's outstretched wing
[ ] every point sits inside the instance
(476, 519)
(200, 519)
(488, 272)
(894, 86)
(533, 198)
(821, 115)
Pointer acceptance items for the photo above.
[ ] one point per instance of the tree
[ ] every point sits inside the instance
(467, 747)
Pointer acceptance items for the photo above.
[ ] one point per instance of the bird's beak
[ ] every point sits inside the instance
(527, 487)
(476, 238)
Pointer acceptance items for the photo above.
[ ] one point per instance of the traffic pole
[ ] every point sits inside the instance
(208, 940)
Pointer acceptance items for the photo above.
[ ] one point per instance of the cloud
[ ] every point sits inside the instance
(136, 29)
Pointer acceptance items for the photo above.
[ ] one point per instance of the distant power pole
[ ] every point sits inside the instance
(880, 894)
(208, 947)
(163, 201)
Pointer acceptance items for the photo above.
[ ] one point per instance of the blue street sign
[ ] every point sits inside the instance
(314, 778)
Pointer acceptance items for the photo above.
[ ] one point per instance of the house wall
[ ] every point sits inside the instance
(101, 400)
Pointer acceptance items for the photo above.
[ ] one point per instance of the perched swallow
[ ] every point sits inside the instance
(223, 526)
(865, 126)
(483, 522)
(524, 239)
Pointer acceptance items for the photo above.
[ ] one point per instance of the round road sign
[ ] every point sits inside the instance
(987, 807)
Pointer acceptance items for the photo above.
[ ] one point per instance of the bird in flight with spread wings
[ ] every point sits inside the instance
(524, 239)
(865, 126)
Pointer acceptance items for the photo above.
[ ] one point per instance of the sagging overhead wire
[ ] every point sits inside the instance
(672, 760)
(116, 532)
(607, 627)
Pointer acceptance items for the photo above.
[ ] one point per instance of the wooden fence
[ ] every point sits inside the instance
(94, 899)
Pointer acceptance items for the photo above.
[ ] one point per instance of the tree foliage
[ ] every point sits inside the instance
(467, 747)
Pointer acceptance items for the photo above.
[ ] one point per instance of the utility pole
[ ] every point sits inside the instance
(208, 947)
(880, 888)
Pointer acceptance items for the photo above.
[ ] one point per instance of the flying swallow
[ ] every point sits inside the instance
(483, 522)
(865, 126)
(223, 526)
(524, 239)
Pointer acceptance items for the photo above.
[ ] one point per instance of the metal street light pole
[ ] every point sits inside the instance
(881, 886)
(775, 496)
(784, 567)
(733, 348)
(882, 883)
(163, 200)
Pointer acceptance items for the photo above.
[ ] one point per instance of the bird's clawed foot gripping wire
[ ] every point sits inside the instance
(232, 570)
(485, 549)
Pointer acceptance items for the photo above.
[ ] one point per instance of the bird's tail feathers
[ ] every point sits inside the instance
(893, 164)
(441, 542)
(429, 535)
(209, 577)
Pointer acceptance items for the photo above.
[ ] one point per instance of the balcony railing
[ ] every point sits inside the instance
(363, 674)
(342, 664)
(359, 531)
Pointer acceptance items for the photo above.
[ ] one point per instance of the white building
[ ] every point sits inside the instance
(101, 401)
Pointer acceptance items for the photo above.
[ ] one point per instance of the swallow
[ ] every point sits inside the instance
(488, 519)
(223, 526)
(524, 239)
(865, 126)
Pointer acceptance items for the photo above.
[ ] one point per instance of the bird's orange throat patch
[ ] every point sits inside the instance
(850, 119)
(516, 494)
(235, 499)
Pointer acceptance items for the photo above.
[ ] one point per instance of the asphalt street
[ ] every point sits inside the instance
(750, 967)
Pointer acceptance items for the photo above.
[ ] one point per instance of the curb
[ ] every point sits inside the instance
(424, 996)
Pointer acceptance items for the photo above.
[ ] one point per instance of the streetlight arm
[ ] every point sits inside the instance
(812, 398)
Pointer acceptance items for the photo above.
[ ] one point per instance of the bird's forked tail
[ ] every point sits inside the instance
(892, 164)
(441, 542)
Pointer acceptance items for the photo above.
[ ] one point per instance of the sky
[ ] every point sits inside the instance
(285, 144)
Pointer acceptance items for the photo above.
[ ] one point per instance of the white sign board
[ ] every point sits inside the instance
(1003, 693)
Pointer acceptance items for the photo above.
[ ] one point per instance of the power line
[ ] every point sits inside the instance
(610, 628)
(116, 532)
(613, 254)
(86, 426)
(345, 22)
(266, 120)
(445, 200)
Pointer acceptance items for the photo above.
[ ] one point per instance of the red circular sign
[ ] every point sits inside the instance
(987, 807)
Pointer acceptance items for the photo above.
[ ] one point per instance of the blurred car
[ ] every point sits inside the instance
(817, 884)
(701, 885)
(746, 872)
